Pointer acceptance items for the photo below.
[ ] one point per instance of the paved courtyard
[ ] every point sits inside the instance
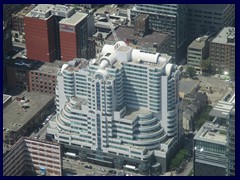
(219, 87)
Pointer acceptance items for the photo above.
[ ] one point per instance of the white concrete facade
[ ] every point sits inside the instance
(125, 103)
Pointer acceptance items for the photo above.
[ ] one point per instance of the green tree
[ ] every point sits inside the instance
(232, 75)
(206, 66)
(191, 71)
(178, 159)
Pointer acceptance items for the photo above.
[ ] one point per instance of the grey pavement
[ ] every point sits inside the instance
(77, 168)
(41, 132)
(187, 168)
(219, 87)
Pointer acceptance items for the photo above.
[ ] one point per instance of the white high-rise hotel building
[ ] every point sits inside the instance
(122, 108)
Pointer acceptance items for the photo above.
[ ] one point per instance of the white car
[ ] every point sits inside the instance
(36, 136)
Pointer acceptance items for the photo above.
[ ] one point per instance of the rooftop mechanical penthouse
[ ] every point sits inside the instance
(119, 109)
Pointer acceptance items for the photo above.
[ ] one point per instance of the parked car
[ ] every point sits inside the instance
(37, 136)
(88, 167)
(101, 169)
(112, 171)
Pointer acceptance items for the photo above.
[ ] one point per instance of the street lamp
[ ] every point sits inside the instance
(225, 73)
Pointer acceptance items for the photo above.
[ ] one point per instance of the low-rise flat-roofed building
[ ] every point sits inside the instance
(222, 50)
(32, 157)
(225, 111)
(24, 74)
(210, 150)
(44, 77)
(214, 143)
(188, 87)
(141, 37)
(197, 51)
(24, 113)
(153, 42)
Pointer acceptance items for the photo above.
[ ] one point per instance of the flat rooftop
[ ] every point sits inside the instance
(226, 36)
(222, 109)
(50, 68)
(198, 43)
(74, 19)
(212, 133)
(37, 66)
(43, 8)
(5, 97)
(104, 25)
(132, 113)
(108, 7)
(44, 11)
(125, 33)
(187, 85)
(25, 10)
(14, 116)
(77, 64)
(79, 102)
(62, 10)
(41, 11)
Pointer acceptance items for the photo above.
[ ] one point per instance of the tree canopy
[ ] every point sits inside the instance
(191, 71)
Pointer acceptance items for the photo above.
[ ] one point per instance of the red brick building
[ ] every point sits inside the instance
(33, 157)
(44, 78)
(40, 34)
(42, 31)
(33, 75)
(73, 36)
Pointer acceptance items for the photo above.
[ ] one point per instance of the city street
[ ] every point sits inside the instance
(77, 168)
(41, 132)
(187, 168)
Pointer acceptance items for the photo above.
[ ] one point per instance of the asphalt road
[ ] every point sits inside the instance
(77, 168)
(41, 132)
(187, 168)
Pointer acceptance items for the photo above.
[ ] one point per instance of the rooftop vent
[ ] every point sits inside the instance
(211, 134)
